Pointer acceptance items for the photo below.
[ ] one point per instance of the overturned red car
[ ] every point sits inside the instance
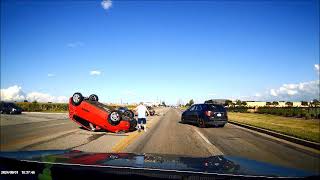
(93, 115)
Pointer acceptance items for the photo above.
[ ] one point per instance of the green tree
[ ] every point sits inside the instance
(163, 104)
(238, 102)
(275, 103)
(243, 103)
(304, 103)
(228, 103)
(315, 103)
(268, 103)
(190, 102)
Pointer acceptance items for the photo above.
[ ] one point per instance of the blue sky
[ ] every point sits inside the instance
(168, 50)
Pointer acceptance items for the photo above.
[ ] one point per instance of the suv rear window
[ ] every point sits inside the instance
(217, 108)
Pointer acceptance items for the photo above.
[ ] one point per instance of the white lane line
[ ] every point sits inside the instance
(203, 137)
(212, 148)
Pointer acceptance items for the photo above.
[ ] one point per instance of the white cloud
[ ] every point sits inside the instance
(273, 92)
(75, 44)
(51, 75)
(15, 93)
(43, 97)
(106, 4)
(294, 92)
(62, 99)
(95, 73)
(304, 91)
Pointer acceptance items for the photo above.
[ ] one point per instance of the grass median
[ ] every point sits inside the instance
(300, 128)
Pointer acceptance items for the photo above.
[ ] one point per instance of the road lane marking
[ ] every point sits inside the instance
(211, 148)
(124, 143)
(203, 137)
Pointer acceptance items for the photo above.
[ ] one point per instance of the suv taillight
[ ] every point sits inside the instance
(208, 113)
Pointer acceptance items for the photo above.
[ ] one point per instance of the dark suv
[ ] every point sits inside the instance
(9, 108)
(205, 114)
(151, 110)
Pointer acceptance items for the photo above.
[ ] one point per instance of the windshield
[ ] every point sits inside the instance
(217, 108)
(229, 81)
(11, 105)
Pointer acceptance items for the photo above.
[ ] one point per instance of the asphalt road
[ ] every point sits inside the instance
(47, 131)
(19, 131)
(166, 136)
(169, 136)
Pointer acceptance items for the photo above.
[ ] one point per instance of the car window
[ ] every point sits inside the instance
(217, 108)
(192, 108)
(198, 108)
(12, 105)
(204, 107)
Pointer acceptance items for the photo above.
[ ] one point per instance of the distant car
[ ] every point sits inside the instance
(151, 110)
(205, 114)
(9, 108)
(93, 115)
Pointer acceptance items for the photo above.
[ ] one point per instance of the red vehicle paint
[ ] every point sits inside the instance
(93, 115)
(94, 158)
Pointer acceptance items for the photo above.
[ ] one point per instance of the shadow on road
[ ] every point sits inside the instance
(196, 125)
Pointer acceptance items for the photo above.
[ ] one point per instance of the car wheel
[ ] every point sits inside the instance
(222, 125)
(201, 123)
(77, 98)
(182, 120)
(93, 97)
(127, 115)
(92, 128)
(114, 118)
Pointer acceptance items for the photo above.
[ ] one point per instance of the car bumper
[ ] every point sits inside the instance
(15, 112)
(217, 122)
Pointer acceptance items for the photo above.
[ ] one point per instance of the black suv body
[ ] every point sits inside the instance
(206, 114)
(9, 108)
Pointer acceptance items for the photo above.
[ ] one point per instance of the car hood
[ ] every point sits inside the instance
(226, 165)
